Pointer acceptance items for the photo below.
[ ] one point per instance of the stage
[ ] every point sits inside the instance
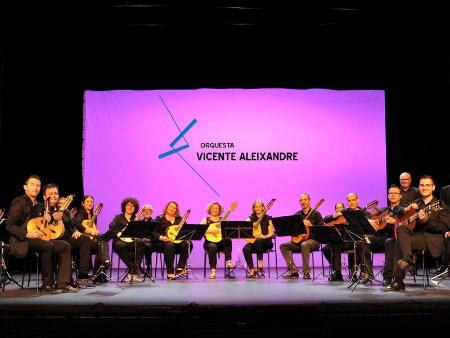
(240, 306)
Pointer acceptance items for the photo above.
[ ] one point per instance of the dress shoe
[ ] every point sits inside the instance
(212, 274)
(49, 290)
(66, 288)
(306, 275)
(291, 275)
(386, 282)
(336, 277)
(404, 264)
(395, 286)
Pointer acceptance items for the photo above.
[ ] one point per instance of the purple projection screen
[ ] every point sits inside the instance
(199, 146)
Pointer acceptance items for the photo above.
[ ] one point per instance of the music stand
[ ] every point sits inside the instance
(191, 232)
(360, 227)
(138, 230)
(237, 230)
(288, 226)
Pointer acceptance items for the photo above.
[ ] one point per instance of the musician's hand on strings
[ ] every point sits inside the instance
(423, 216)
(58, 216)
(164, 239)
(307, 223)
(33, 234)
(76, 235)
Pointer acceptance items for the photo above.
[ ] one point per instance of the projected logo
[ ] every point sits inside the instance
(176, 151)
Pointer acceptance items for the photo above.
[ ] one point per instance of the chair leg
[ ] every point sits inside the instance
(204, 264)
(313, 265)
(37, 272)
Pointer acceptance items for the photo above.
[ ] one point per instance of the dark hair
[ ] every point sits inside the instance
(32, 176)
(49, 186)
(426, 177)
(210, 205)
(131, 200)
(337, 204)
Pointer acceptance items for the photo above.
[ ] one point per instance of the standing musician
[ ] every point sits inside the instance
(171, 216)
(383, 222)
(214, 210)
(409, 193)
(263, 240)
(26, 208)
(432, 223)
(84, 223)
(332, 252)
(305, 246)
(130, 251)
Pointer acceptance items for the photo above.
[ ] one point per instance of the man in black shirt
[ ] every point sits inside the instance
(306, 245)
(409, 193)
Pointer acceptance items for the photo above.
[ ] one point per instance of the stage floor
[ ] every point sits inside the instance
(233, 304)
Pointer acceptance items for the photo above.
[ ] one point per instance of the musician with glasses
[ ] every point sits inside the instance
(130, 250)
(303, 246)
(171, 216)
(433, 221)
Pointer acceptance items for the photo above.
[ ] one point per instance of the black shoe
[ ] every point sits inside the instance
(404, 264)
(48, 290)
(291, 275)
(306, 275)
(396, 286)
(66, 288)
(386, 282)
(336, 277)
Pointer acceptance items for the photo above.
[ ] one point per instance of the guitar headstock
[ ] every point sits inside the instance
(233, 206)
(371, 205)
(318, 204)
(67, 202)
(435, 206)
(186, 214)
(73, 212)
(271, 202)
(98, 209)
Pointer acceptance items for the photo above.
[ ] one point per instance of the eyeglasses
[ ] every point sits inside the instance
(425, 185)
(394, 193)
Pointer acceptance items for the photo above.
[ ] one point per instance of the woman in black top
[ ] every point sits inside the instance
(263, 240)
(171, 216)
(126, 248)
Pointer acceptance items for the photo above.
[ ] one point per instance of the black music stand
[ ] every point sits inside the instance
(237, 230)
(189, 233)
(137, 230)
(292, 226)
(356, 230)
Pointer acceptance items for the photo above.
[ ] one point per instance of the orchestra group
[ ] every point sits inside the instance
(414, 220)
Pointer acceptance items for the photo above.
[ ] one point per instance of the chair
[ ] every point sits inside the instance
(27, 263)
(425, 268)
(313, 265)
(273, 250)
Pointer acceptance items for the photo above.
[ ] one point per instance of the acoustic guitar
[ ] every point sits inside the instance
(89, 224)
(173, 230)
(342, 220)
(217, 237)
(304, 237)
(257, 225)
(410, 218)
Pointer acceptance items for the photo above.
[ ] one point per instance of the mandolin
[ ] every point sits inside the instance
(173, 230)
(215, 238)
(304, 237)
(257, 224)
(89, 224)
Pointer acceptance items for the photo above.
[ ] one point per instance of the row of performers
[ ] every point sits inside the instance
(28, 218)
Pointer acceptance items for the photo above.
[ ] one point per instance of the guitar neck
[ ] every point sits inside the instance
(224, 218)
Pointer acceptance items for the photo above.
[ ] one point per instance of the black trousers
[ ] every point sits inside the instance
(46, 249)
(127, 254)
(333, 252)
(83, 246)
(170, 249)
(259, 247)
(407, 241)
(212, 248)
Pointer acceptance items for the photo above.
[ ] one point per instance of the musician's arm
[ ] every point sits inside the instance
(270, 230)
(439, 222)
(14, 219)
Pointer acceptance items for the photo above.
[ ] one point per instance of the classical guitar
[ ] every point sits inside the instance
(410, 218)
(304, 237)
(89, 224)
(257, 224)
(173, 230)
(57, 230)
(217, 237)
(40, 224)
(342, 220)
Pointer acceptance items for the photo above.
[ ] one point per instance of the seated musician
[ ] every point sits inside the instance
(171, 216)
(214, 210)
(428, 232)
(130, 250)
(384, 240)
(96, 246)
(147, 212)
(263, 240)
(304, 246)
(25, 209)
(332, 252)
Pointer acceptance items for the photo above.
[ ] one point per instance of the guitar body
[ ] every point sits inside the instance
(302, 237)
(172, 232)
(88, 224)
(381, 218)
(256, 231)
(41, 225)
(339, 220)
(57, 230)
(405, 220)
(215, 238)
